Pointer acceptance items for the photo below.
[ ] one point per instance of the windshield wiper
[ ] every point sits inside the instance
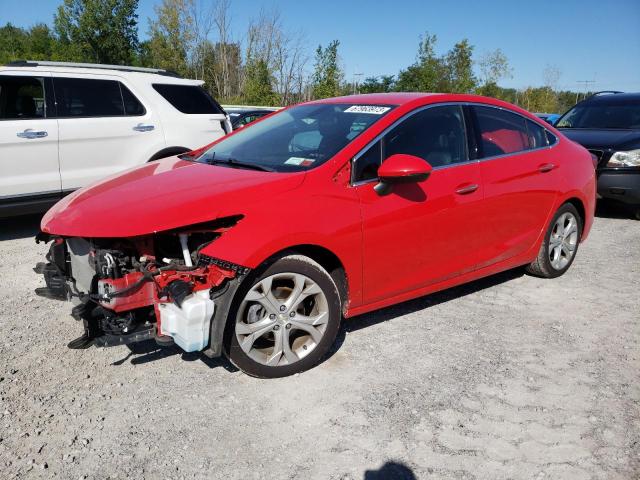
(232, 162)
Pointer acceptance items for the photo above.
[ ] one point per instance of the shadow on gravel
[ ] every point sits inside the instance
(390, 471)
(13, 228)
(148, 351)
(389, 313)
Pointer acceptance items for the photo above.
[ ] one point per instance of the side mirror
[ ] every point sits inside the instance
(401, 168)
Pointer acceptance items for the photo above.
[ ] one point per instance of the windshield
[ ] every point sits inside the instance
(295, 139)
(602, 115)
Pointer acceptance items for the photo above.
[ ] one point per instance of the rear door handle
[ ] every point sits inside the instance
(467, 189)
(142, 127)
(29, 133)
(546, 167)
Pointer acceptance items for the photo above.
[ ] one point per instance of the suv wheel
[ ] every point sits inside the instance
(284, 320)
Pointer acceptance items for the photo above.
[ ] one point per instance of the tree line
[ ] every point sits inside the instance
(268, 64)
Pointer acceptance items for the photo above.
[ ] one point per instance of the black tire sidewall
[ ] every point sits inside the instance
(552, 272)
(294, 264)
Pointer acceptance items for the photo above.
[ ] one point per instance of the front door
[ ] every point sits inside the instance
(28, 139)
(421, 233)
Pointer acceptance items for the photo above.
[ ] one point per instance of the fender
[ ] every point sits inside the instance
(258, 236)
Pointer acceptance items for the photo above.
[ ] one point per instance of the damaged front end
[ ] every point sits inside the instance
(159, 286)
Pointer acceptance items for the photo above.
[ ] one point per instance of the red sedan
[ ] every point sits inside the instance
(258, 245)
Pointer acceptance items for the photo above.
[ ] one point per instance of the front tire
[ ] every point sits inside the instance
(560, 244)
(284, 319)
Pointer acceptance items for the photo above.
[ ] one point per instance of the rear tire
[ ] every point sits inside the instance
(560, 244)
(284, 319)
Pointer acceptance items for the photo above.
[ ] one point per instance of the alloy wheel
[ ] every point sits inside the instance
(282, 319)
(563, 241)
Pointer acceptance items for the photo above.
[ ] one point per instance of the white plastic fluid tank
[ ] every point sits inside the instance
(188, 324)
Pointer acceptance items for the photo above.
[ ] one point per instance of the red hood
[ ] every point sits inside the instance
(161, 196)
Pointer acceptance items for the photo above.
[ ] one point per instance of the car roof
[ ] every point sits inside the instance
(404, 98)
(613, 98)
(64, 68)
(393, 98)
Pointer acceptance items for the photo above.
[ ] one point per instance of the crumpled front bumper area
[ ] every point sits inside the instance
(125, 298)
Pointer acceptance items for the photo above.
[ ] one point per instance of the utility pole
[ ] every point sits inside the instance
(586, 84)
(356, 82)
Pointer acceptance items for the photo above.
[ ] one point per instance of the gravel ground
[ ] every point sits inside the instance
(508, 377)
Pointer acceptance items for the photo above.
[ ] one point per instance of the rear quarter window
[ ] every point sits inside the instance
(537, 135)
(189, 99)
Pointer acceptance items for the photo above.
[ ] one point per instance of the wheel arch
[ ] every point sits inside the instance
(579, 205)
(325, 258)
(168, 152)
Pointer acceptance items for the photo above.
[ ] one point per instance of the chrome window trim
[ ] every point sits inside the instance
(442, 167)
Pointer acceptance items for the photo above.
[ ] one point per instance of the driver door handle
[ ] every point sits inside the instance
(143, 127)
(467, 189)
(30, 134)
(546, 167)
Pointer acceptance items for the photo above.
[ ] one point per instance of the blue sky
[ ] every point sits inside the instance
(585, 40)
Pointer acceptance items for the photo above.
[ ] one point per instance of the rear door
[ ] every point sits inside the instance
(520, 179)
(104, 129)
(421, 233)
(28, 138)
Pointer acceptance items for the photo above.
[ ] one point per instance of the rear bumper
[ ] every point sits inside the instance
(620, 186)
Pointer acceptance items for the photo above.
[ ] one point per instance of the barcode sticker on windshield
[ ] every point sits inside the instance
(372, 109)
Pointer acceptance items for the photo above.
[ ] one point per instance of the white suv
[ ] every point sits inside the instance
(63, 126)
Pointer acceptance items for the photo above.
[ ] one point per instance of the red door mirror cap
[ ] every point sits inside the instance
(401, 167)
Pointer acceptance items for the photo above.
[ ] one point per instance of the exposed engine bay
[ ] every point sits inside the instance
(159, 286)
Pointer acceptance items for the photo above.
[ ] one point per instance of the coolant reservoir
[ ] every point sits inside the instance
(189, 324)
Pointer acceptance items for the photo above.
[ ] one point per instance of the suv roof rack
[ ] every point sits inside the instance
(124, 68)
(604, 92)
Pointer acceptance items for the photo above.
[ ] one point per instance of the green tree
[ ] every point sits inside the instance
(327, 75)
(428, 73)
(258, 84)
(36, 43)
(13, 43)
(41, 43)
(101, 31)
(384, 83)
(459, 68)
(170, 36)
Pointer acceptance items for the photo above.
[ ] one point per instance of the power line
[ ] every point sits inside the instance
(586, 84)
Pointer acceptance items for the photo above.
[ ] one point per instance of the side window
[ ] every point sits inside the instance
(132, 105)
(190, 99)
(81, 97)
(435, 134)
(21, 98)
(366, 165)
(501, 132)
(537, 135)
